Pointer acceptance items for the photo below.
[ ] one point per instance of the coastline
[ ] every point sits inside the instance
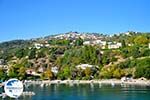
(103, 81)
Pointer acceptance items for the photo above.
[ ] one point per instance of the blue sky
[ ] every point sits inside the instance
(24, 19)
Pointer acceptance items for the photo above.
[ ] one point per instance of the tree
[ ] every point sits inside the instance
(123, 43)
(108, 56)
(79, 42)
(22, 73)
(75, 56)
(145, 52)
(48, 74)
(88, 72)
(141, 40)
(20, 53)
(106, 73)
(2, 74)
(32, 53)
(64, 73)
(41, 54)
(118, 73)
(143, 68)
(12, 73)
(59, 42)
(134, 51)
(105, 60)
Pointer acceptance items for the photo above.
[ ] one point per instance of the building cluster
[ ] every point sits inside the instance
(76, 35)
(84, 66)
(114, 45)
(40, 45)
(104, 44)
(89, 39)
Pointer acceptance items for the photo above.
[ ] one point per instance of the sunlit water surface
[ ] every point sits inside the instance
(87, 92)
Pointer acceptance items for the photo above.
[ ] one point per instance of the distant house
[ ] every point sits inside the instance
(97, 42)
(41, 70)
(102, 52)
(130, 44)
(32, 72)
(127, 33)
(149, 45)
(38, 45)
(47, 45)
(114, 45)
(54, 70)
(86, 43)
(2, 61)
(103, 43)
(84, 66)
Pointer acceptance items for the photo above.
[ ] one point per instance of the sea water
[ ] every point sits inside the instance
(87, 92)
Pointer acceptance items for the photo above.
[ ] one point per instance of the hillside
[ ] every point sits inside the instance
(76, 55)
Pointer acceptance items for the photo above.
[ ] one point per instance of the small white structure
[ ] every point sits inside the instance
(32, 72)
(54, 70)
(47, 45)
(2, 61)
(38, 45)
(97, 42)
(149, 45)
(100, 42)
(123, 79)
(114, 46)
(130, 44)
(41, 70)
(127, 33)
(86, 43)
(84, 66)
(103, 43)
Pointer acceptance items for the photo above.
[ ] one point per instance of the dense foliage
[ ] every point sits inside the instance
(131, 60)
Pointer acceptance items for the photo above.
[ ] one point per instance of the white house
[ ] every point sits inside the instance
(32, 72)
(119, 44)
(149, 45)
(38, 45)
(47, 45)
(123, 79)
(130, 44)
(114, 46)
(86, 42)
(100, 42)
(84, 66)
(97, 42)
(54, 70)
(103, 43)
(41, 69)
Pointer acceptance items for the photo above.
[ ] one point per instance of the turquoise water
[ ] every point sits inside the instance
(88, 92)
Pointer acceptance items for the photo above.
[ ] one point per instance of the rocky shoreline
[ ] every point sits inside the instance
(108, 81)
